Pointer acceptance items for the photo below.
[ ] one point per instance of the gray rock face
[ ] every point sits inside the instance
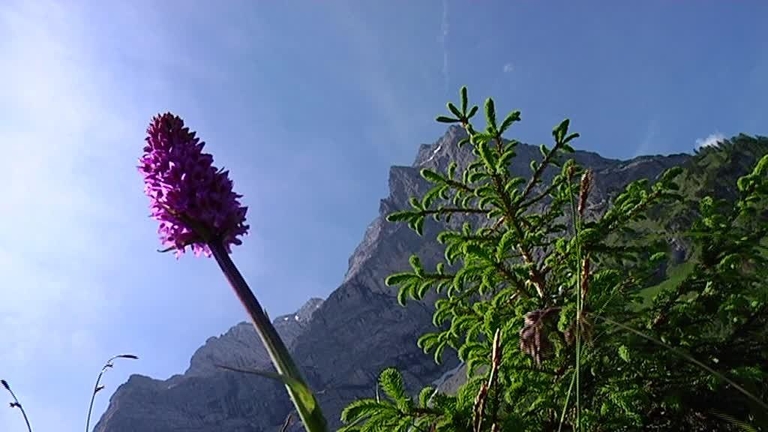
(240, 346)
(341, 343)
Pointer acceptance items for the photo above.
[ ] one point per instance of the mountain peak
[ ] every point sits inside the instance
(443, 146)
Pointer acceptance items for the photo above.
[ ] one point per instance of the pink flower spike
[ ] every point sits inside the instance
(191, 198)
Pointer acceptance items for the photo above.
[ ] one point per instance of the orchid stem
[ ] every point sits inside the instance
(311, 416)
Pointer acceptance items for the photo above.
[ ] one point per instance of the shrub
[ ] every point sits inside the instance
(557, 310)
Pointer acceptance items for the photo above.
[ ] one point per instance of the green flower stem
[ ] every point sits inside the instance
(310, 413)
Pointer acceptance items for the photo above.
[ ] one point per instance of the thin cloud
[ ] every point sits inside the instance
(373, 72)
(444, 46)
(710, 140)
(650, 136)
(508, 68)
(53, 297)
(47, 202)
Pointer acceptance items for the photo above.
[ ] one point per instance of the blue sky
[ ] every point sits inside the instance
(307, 103)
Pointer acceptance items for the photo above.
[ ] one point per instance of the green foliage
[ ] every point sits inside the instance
(398, 412)
(556, 309)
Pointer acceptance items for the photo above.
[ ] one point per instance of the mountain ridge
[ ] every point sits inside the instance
(242, 340)
(349, 337)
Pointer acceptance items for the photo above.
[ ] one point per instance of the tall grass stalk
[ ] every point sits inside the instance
(565, 406)
(576, 217)
(17, 404)
(688, 357)
(98, 387)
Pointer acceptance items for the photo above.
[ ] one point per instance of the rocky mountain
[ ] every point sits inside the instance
(341, 343)
(240, 347)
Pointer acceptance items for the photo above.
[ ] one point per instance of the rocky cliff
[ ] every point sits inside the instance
(341, 343)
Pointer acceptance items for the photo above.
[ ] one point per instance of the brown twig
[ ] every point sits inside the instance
(482, 395)
(287, 422)
(494, 378)
(479, 408)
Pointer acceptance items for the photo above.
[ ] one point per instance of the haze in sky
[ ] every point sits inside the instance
(308, 103)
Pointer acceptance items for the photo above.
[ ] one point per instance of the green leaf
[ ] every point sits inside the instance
(472, 112)
(422, 289)
(503, 163)
(544, 150)
(399, 278)
(454, 110)
(514, 184)
(303, 393)
(400, 216)
(358, 409)
(761, 168)
(418, 226)
(391, 382)
(512, 117)
(430, 197)
(485, 154)
(568, 139)
(560, 130)
(505, 244)
(670, 174)
(429, 340)
(438, 356)
(624, 353)
(490, 114)
(658, 257)
(452, 169)
(424, 396)
(402, 296)
(464, 98)
(416, 265)
(432, 176)
(444, 119)
(476, 176)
